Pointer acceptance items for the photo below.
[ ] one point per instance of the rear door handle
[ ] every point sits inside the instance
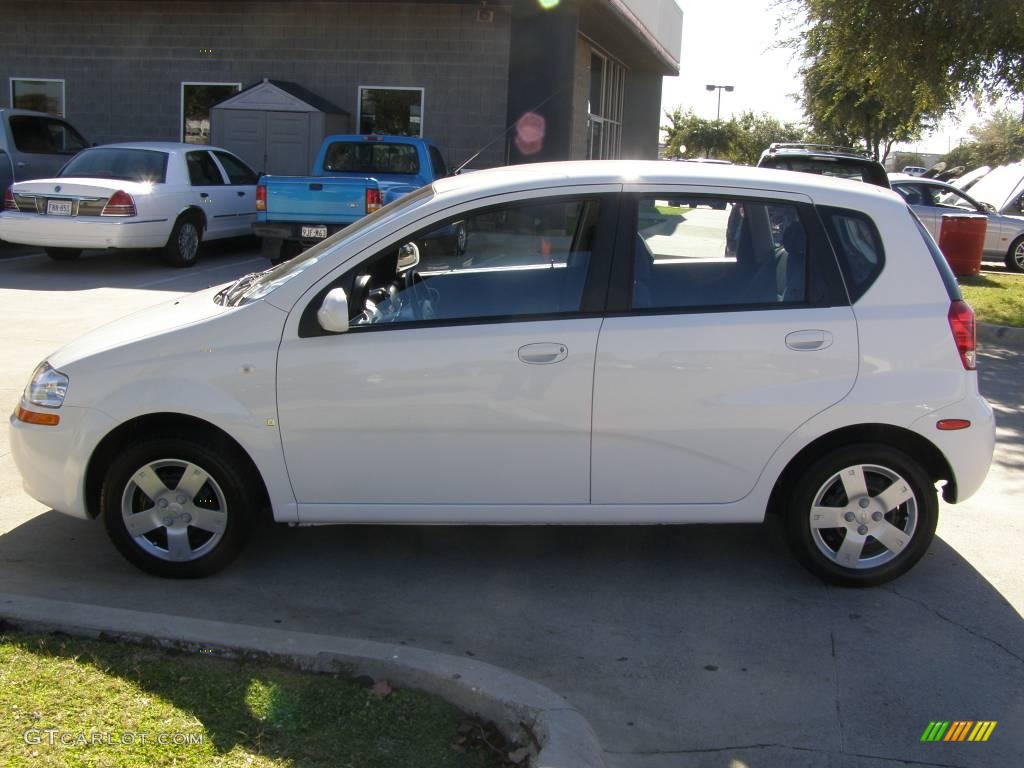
(203, 194)
(543, 353)
(241, 193)
(809, 341)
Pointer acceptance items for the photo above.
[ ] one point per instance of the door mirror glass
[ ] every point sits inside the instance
(333, 313)
(408, 257)
(1020, 203)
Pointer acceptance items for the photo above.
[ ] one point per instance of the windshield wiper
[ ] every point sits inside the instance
(237, 289)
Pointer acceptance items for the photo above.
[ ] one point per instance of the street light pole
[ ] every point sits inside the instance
(719, 88)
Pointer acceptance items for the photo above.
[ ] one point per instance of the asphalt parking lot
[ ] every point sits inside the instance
(683, 646)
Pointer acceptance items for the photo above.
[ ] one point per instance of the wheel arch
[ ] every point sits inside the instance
(198, 212)
(167, 424)
(918, 447)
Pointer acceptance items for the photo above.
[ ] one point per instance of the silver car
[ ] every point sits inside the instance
(930, 199)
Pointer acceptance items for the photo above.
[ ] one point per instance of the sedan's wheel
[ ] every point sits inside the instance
(862, 515)
(63, 254)
(176, 508)
(182, 246)
(1015, 256)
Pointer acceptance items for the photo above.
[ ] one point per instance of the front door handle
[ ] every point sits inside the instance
(809, 341)
(543, 353)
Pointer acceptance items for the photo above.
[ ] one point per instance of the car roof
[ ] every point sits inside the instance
(514, 178)
(158, 146)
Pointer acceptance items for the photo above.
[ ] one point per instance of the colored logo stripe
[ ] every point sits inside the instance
(958, 730)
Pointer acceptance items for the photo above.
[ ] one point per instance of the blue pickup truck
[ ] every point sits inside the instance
(352, 176)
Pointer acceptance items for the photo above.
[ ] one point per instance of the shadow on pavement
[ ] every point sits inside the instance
(671, 640)
(31, 270)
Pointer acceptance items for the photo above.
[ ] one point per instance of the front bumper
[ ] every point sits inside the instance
(85, 232)
(53, 460)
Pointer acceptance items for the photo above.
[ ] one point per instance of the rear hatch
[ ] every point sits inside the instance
(316, 199)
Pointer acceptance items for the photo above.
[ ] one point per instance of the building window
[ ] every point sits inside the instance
(604, 118)
(393, 111)
(196, 100)
(40, 95)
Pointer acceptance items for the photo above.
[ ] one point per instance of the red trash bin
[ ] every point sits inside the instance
(962, 239)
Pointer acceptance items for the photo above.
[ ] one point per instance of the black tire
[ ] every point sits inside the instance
(182, 248)
(228, 495)
(63, 254)
(819, 549)
(1015, 255)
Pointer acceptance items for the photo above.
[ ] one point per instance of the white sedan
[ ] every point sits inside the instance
(135, 195)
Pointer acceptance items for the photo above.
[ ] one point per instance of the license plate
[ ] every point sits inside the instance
(314, 233)
(58, 207)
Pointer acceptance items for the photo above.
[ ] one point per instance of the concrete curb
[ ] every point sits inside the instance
(564, 739)
(1001, 336)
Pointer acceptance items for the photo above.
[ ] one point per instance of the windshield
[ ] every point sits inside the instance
(372, 157)
(120, 164)
(997, 186)
(260, 284)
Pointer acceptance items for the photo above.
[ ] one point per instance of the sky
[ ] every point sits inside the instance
(733, 42)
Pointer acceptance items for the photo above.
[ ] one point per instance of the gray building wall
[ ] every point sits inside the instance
(123, 63)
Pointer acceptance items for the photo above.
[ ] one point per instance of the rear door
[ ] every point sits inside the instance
(727, 329)
(209, 193)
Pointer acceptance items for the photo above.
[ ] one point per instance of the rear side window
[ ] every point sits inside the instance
(948, 278)
(858, 246)
(437, 163)
(202, 171)
(371, 157)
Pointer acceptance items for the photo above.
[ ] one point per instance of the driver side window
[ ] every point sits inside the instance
(515, 261)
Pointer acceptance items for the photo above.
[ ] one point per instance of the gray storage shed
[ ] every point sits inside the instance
(276, 126)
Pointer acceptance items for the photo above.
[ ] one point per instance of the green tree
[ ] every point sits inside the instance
(996, 141)
(692, 136)
(883, 70)
(754, 133)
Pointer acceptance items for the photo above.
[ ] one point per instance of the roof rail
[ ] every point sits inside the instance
(825, 147)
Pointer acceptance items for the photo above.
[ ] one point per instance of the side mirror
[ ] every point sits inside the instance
(408, 257)
(333, 313)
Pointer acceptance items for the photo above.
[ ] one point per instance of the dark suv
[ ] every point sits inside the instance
(825, 160)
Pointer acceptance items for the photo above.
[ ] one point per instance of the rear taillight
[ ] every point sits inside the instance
(961, 323)
(372, 200)
(119, 204)
(261, 198)
(9, 204)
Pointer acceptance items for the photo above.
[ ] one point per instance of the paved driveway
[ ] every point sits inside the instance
(690, 646)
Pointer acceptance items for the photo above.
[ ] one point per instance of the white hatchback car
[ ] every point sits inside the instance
(778, 342)
(135, 195)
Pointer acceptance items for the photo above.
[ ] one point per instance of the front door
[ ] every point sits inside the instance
(730, 335)
(463, 379)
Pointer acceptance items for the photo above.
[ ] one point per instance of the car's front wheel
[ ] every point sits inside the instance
(177, 508)
(1015, 256)
(862, 515)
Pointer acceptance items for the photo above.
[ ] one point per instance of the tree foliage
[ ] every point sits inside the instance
(881, 71)
(997, 141)
(740, 139)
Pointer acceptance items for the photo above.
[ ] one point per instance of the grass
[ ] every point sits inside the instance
(997, 298)
(666, 210)
(249, 713)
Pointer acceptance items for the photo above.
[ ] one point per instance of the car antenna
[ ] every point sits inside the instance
(501, 135)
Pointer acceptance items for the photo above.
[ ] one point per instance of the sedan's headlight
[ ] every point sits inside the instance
(47, 388)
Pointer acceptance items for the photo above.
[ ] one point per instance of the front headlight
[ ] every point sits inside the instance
(47, 388)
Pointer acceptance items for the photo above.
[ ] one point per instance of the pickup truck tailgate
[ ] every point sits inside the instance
(319, 199)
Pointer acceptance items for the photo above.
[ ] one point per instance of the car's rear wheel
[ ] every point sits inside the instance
(182, 248)
(862, 515)
(1015, 256)
(177, 508)
(63, 254)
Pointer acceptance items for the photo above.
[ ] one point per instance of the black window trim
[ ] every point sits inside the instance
(592, 300)
(826, 270)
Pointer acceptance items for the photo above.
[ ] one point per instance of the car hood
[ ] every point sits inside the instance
(167, 317)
